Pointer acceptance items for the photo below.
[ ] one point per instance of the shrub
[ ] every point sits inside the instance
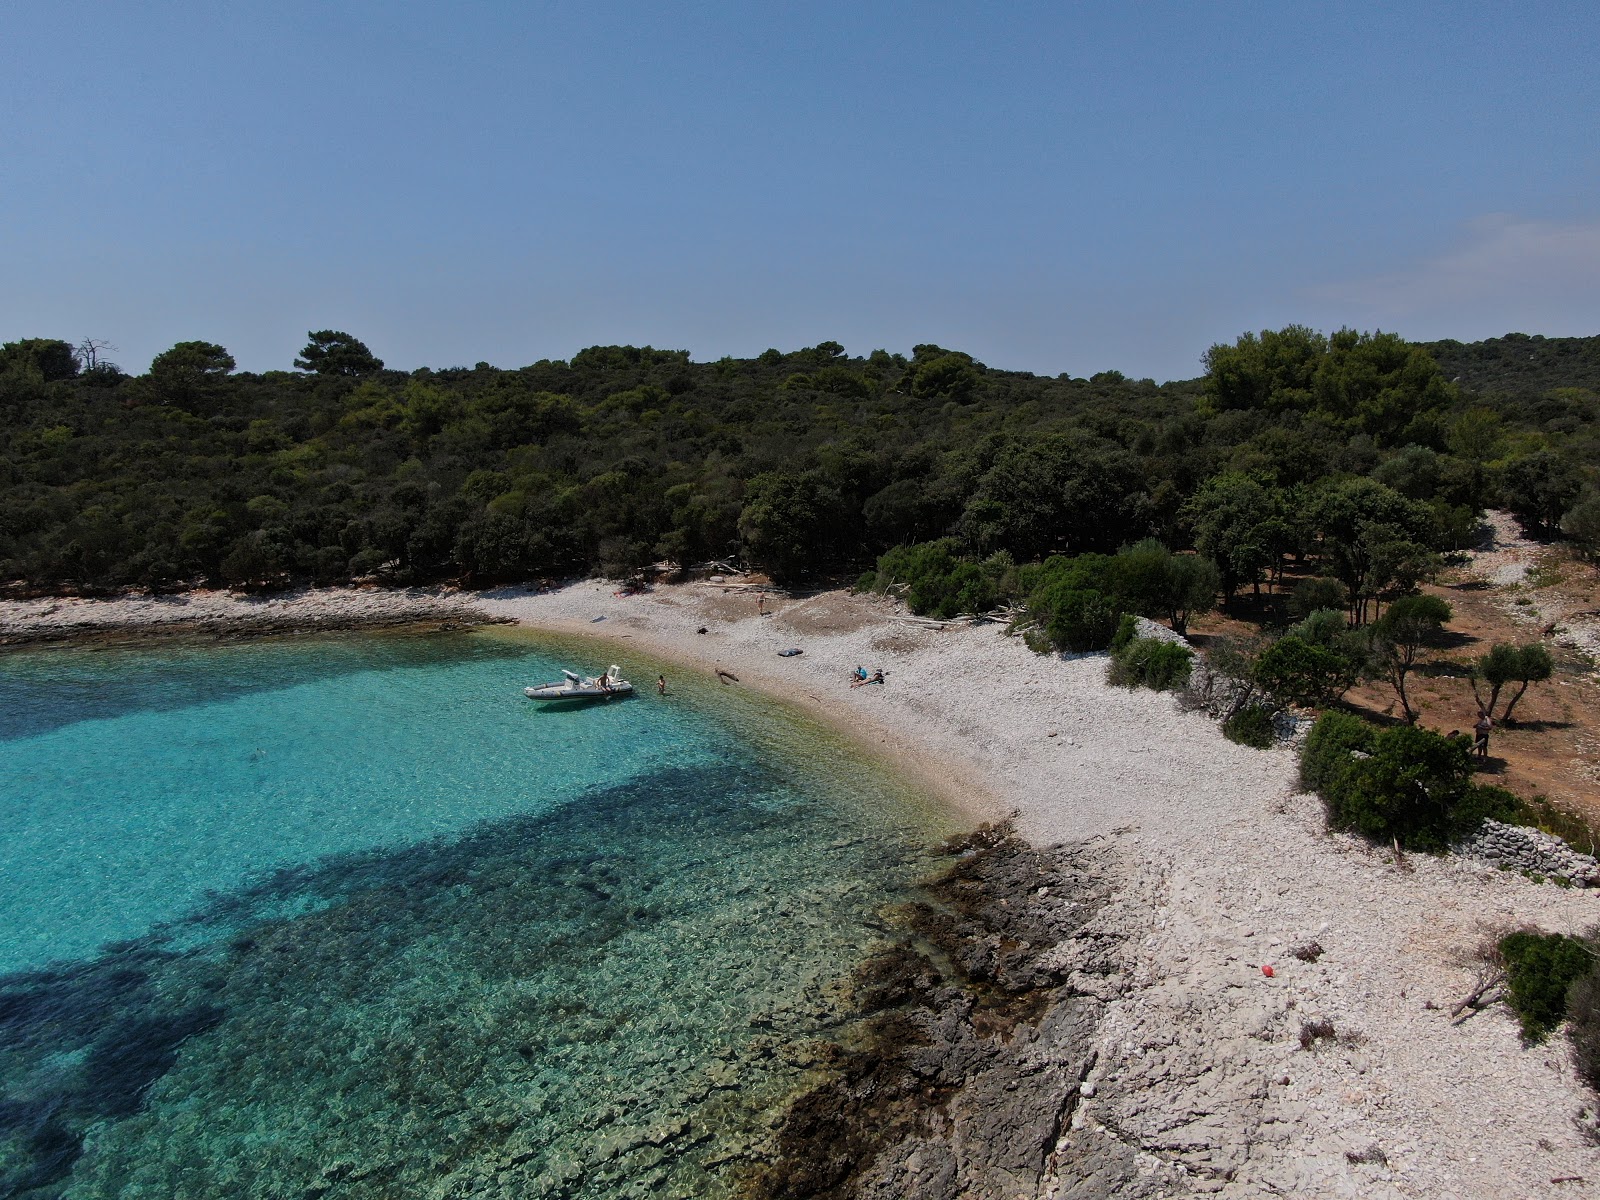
(1485, 802)
(1326, 760)
(1582, 524)
(1583, 1007)
(1324, 627)
(866, 582)
(964, 589)
(1302, 672)
(1073, 603)
(1250, 726)
(1151, 663)
(1404, 784)
(1317, 593)
(1407, 791)
(907, 564)
(1127, 630)
(1074, 600)
(1083, 620)
(940, 584)
(1541, 969)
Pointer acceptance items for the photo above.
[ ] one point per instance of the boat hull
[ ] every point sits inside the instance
(557, 692)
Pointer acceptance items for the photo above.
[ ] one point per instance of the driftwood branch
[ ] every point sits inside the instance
(1490, 979)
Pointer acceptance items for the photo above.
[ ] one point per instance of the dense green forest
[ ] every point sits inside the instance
(1369, 450)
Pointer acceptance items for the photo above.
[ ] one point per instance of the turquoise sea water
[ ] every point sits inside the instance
(352, 917)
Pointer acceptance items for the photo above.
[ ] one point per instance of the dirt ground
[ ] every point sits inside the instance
(799, 613)
(1511, 590)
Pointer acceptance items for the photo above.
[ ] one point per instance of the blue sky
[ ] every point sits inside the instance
(1051, 187)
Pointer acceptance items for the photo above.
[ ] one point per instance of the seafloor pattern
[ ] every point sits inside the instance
(595, 1002)
(606, 998)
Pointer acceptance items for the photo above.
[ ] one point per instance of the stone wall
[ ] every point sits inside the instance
(1519, 848)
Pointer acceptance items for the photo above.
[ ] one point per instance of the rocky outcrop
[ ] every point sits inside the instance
(226, 616)
(1518, 848)
(963, 1079)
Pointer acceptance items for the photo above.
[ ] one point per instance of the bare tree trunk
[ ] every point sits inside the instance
(1494, 698)
(1405, 701)
(1505, 717)
(1489, 979)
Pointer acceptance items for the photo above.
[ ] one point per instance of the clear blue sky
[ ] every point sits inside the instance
(1049, 186)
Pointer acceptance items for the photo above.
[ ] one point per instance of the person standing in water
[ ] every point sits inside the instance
(661, 685)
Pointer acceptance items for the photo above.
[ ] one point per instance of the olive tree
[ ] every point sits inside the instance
(1397, 640)
(1505, 665)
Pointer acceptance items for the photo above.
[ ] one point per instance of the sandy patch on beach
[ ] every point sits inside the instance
(1200, 1063)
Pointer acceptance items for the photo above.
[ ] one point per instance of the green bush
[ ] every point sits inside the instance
(1324, 627)
(1083, 620)
(940, 583)
(1486, 802)
(1583, 1008)
(1326, 760)
(1404, 784)
(1318, 593)
(1127, 630)
(1541, 969)
(964, 589)
(1151, 663)
(1301, 672)
(1075, 600)
(1250, 726)
(866, 582)
(1413, 790)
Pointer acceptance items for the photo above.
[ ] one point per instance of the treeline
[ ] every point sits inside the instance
(803, 463)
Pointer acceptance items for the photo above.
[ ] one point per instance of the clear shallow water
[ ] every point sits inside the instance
(353, 917)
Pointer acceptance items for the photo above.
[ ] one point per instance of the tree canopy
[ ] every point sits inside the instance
(805, 462)
(330, 352)
(1375, 383)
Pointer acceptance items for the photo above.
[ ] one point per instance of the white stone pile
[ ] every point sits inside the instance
(1519, 848)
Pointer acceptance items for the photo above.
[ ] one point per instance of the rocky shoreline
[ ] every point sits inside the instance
(226, 617)
(979, 1024)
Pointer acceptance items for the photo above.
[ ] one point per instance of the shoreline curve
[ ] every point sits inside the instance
(1201, 1063)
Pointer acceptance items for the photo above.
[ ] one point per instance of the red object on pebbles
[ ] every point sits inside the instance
(1266, 970)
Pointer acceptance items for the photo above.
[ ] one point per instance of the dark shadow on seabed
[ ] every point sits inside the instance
(561, 1004)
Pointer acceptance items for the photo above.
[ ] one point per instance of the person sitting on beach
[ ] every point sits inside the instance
(859, 674)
